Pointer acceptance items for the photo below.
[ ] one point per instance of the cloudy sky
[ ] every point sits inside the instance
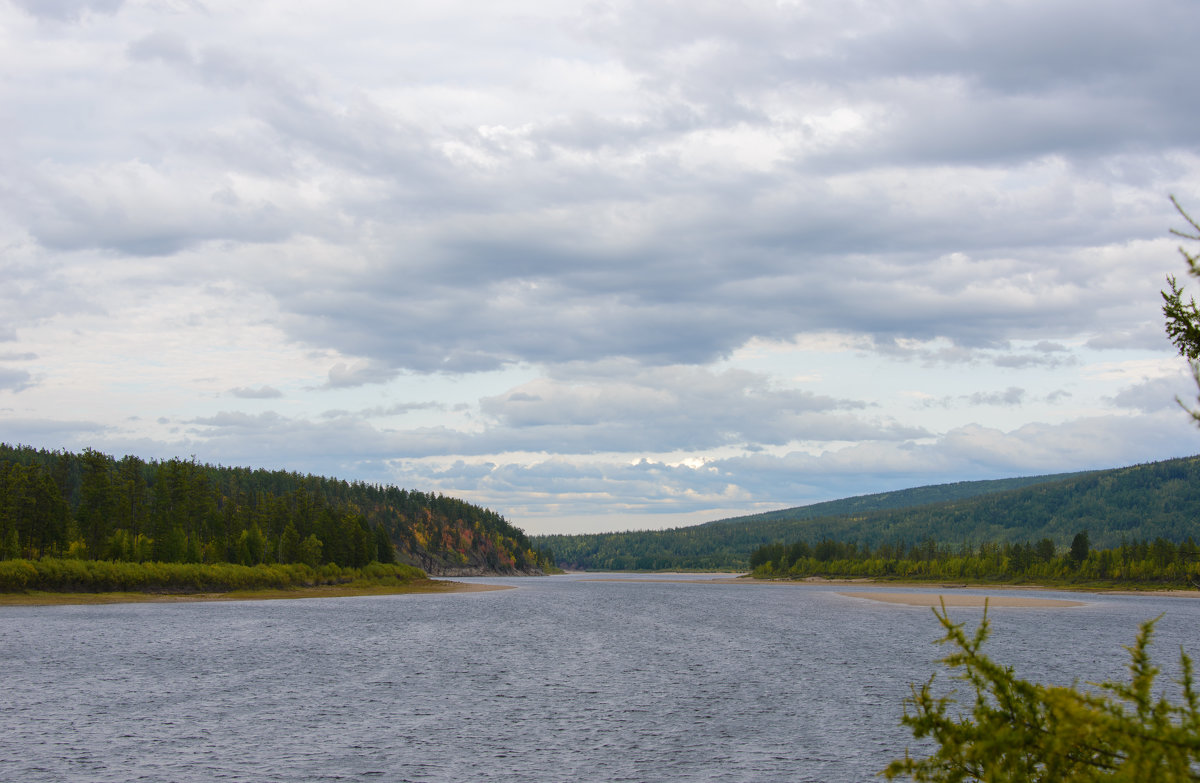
(598, 265)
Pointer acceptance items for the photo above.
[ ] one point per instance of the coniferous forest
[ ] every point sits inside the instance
(93, 507)
(1158, 562)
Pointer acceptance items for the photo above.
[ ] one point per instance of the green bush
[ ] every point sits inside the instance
(1023, 732)
(16, 575)
(72, 575)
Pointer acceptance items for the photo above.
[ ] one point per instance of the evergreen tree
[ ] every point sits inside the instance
(95, 501)
(1183, 318)
(1079, 547)
(289, 545)
(310, 551)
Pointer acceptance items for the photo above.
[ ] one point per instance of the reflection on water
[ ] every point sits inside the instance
(563, 678)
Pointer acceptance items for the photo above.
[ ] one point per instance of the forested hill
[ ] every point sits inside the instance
(1140, 502)
(94, 506)
(901, 498)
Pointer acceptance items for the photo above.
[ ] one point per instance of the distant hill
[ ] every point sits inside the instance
(56, 503)
(1139, 502)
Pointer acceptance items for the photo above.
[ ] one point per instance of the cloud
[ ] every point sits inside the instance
(1042, 359)
(261, 393)
(14, 380)
(73, 433)
(558, 254)
(342, 375)
(651, 233)
(383, 411)
(1156, 394)
(604, 494)
(68, 10)
(1010, 396)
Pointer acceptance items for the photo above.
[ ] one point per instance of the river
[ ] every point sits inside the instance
(563, 678)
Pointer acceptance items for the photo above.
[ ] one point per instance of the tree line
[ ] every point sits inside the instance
(93, 506)
(1140, 562)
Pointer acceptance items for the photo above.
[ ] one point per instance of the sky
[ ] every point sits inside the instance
(598, 265)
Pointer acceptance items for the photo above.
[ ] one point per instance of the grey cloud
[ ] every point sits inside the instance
(1068, 54)
(621, 406)
(342, 375)
(261, 393)
(33, 288)
(1156, 395)
(232, 419)
(590, 409)
(382, 411)
(604, 240)
(1010, 396)
(668, 311)
(14, 380)
(1041, 359)
(558, 487)
(1144, 336)
(164, 46)
(68, 10)
(75, 433)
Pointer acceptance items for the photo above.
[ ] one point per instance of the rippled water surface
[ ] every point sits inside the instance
(563, 678)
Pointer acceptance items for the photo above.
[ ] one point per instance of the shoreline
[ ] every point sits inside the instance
(867, 581)
(910, 584)
(972, 601)
(423, 587)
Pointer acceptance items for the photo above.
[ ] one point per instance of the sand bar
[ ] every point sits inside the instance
(963, 599)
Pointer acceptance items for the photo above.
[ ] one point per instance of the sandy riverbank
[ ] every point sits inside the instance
(423, 587)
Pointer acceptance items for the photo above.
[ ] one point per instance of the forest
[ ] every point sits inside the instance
(1142, 502)
(1140, 562)
(91, 506)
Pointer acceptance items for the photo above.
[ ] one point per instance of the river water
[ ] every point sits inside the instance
(564, 678)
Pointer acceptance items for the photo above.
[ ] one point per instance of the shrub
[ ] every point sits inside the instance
(1027, 732)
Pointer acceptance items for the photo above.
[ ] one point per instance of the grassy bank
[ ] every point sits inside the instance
(417, 586)
(54, 575)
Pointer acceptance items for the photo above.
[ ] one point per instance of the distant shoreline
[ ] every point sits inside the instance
(420, 587)
(746, 579)
(1066, 588)
(963, 600)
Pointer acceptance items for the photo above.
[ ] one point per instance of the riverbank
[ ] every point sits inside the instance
(932, 585)
(909, 584)
(967, 600)
(418, 586)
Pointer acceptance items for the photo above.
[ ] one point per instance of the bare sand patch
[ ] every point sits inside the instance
(963, 599)
(722, 580)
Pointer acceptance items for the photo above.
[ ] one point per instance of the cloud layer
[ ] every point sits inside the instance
(654, 259)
